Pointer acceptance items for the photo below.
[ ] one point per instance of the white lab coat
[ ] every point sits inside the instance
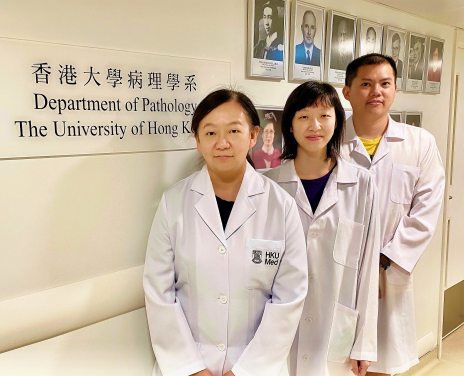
(410, 178)
(339, 318)
(224, 299)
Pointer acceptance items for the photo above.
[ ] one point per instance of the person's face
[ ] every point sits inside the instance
(342, 35)
(224, 138)
(372, 91)
(267, 20)
(268, 135)
(435, 55)
(308, 28)
(370, 41)
(396, 45)
(417, 52)
(313, 127)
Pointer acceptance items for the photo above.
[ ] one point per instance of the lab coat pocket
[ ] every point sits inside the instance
(342, 333)
(397, 277)
(403, 181)
(262, 262)
(348, 242)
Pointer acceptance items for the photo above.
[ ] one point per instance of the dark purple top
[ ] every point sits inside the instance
(314, 189)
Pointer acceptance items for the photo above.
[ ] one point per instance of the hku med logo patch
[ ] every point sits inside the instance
(257, 257)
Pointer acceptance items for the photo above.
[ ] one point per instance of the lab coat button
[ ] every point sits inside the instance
(309, 320)
(311, 277)
(313, 235)
(221, 250)
(306, 358)
(221, 347)
(223, 299)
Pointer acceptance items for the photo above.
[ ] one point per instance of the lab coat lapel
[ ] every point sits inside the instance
(207, 205)
(356, 144)
(288, 175)
(343, 173)
(393, 133)
(243, 208)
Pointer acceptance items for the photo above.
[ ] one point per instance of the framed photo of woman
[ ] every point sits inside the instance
(434, 65)
(268, 148)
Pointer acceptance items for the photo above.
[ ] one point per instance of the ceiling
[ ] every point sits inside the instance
(449, 12)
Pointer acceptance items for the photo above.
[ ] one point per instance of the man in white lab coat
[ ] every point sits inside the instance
(406, 166)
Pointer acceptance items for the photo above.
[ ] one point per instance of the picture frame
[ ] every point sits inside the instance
(417, 44)
(340, 45)
(397, 116)
(435, 51)
(307, 33)
(395, 45)
(266, 39)
(370, 38)
(412, 118)
(269, 146)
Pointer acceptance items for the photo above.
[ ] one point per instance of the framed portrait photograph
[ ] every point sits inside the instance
(268, 148)
(340, 45)
(370, 38)
(413, 118)
(395, 46)
(307, 42)
(396, 116)
(416, 62)
(266, 38)
(434, 64)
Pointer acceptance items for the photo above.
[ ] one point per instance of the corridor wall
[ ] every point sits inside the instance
(73, 229)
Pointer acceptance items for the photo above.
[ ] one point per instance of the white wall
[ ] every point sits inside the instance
(68, 220)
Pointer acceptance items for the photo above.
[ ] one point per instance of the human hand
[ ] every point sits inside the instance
(229, 373)
(205, 372)
(359, 367)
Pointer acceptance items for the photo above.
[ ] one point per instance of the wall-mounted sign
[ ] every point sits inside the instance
(65, 100)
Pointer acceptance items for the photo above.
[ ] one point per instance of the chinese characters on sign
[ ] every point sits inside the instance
(68, 75)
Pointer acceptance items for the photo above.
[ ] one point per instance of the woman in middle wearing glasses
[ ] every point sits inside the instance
(338, 207)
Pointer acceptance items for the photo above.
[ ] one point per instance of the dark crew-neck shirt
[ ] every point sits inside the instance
(225, 208)
(314, 189)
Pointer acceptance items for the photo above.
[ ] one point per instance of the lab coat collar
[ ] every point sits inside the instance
(242, 210)
(343, 173)
(394, 132)
(287, 174)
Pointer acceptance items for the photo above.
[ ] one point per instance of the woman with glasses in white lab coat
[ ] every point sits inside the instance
(338, 207)
(226, 271)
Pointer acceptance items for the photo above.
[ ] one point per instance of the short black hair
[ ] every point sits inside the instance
(395, 38)
(221, 96)
(311, 94)
(369, 59)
